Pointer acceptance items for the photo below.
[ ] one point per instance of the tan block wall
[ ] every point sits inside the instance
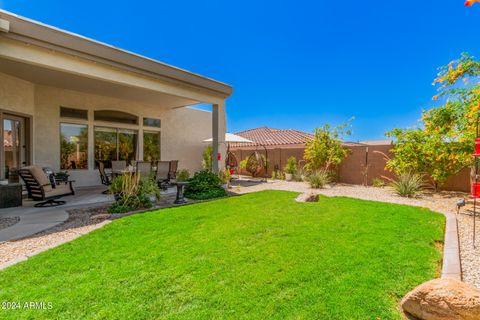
(352, 169)
(182, 131)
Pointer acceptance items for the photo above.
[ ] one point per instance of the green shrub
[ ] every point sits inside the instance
(408, 184)
(291, 166)
(118, 208)
(148, 186)
(131, 193)
(378, 183)
(319, 179)
(205, 185)
(183, 175)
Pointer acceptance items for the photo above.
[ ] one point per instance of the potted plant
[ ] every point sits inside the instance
(290, 168)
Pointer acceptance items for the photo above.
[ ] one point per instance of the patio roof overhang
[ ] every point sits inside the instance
(49, 56)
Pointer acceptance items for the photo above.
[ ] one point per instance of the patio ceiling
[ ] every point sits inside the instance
(58, 79)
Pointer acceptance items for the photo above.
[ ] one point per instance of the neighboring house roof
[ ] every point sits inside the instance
(39, 34)
(272, 137)
(265, 136)
(377, 142)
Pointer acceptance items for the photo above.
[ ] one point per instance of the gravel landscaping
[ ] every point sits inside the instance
(8, 222)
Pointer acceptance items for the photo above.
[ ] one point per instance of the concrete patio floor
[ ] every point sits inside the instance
(34, 220)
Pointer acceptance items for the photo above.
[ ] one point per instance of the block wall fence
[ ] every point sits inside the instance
(362, 165)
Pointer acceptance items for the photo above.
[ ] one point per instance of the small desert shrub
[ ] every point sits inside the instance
(291, 166)
(205, 185)
(408, 184)
(318, 179)
(378, 183)
(278, 175)
(183, 175)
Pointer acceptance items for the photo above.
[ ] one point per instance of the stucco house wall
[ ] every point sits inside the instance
(17, 95)
(182, 129)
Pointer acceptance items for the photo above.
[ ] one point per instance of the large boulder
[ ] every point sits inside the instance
(443, 299)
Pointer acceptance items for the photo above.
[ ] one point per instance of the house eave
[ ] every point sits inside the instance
(45, 36)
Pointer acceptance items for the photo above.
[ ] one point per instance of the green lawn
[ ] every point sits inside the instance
(257, 256)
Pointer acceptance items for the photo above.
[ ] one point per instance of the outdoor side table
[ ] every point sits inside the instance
(10, 195)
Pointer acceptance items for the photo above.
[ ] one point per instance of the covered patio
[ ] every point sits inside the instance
(68, 101)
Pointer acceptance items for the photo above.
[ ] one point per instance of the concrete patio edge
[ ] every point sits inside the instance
(451, 266)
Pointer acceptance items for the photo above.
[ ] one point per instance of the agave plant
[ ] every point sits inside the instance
(408, 184)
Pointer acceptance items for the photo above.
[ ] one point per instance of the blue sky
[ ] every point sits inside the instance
(293, 64)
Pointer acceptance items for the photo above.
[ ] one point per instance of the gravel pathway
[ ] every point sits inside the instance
(441, 202)
(8, 222)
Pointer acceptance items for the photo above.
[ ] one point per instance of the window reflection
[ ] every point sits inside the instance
(151, 146)
(73, 146)
(115, 144)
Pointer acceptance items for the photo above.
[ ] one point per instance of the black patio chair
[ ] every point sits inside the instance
(162, 174)
(104, 177)
(40, 188)
(172, 173)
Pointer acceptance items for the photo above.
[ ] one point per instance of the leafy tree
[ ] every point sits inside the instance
(325, 151)
(442, 145)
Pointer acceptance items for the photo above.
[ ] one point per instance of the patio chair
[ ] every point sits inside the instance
(172, 174)
(40, 189)
(144, 169)
(119, 166)
(104, 177)
(162, 174)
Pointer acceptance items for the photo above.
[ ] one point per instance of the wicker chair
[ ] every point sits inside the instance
(40, 189)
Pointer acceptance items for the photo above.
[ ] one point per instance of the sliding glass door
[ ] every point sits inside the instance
(14, 147)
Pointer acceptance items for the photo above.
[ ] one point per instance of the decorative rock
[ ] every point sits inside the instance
(101, 216)
(305, 197)
(443, 299)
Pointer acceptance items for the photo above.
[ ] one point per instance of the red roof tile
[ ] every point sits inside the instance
(272, 137)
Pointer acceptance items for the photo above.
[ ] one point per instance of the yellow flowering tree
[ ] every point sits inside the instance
(443, 144)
